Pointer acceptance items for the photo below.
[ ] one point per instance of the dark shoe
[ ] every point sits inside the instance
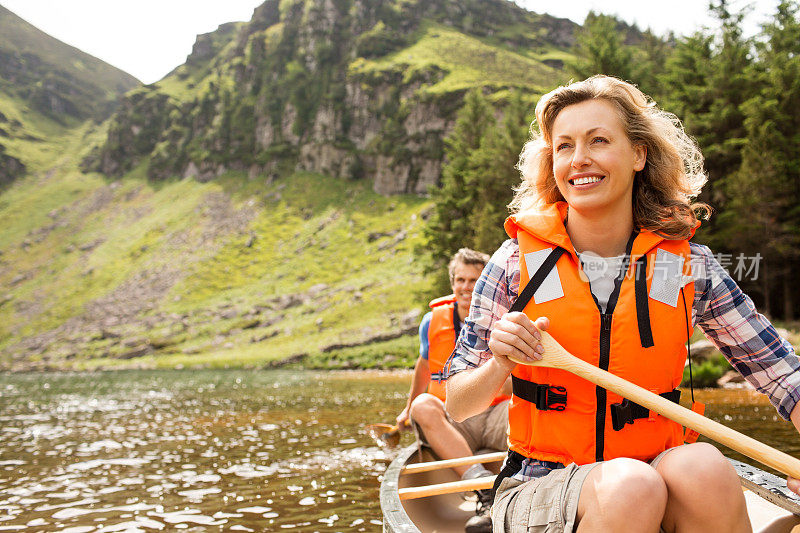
(482, 521)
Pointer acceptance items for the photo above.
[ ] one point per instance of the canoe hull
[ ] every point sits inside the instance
(448, 513)
(445, 513)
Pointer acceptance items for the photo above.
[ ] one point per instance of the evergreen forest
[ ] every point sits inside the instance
(738, 96)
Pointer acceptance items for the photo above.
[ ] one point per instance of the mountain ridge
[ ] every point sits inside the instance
(47, 88)
(312, 86)
(28, 52)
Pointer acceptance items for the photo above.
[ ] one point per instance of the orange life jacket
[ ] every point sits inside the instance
(442, 337)
(441, 341)
(641, 341)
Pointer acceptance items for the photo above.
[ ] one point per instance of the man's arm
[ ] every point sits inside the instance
(422, 372)
(419, 384)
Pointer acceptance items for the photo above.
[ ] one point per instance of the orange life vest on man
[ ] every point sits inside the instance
(442, 336)
(557, 416)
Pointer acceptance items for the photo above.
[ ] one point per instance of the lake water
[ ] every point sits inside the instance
(222, 450)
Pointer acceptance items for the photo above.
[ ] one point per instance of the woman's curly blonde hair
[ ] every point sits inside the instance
(662, 192)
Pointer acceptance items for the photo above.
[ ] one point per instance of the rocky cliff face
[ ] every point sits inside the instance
(10, 167)
(281, 93)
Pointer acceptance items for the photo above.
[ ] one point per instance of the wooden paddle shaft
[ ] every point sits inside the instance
(410, 493)
(450, 463)
(555, 356)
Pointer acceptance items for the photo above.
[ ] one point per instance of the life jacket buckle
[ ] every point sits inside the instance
(627, 411)
(551, 397)
(621, 414)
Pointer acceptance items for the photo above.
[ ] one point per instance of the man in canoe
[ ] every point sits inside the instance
(599, 257)
(448, 439)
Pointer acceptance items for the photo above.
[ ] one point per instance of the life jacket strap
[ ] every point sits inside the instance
(512, 465)
(439, 377)
(628, 411)
(545, 397)
(642, 306)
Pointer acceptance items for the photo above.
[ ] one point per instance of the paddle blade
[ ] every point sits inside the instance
(385, 435)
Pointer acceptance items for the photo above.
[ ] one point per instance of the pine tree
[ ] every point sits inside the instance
(765, 214)
(649, 63)
(478, 181)
(448, 228)
(687, 78)
(497, 175)
(690, 94)
(732, 86)
(600, 49)
(708, 81)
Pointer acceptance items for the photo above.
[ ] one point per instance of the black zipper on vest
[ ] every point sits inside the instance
(600, 393)
(605, 349)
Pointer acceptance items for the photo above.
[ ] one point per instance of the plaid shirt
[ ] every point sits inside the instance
(726, 315)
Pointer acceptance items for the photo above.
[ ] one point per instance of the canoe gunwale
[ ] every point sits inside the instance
(395, 518)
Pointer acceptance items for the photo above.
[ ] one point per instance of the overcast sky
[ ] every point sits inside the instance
(149, 38)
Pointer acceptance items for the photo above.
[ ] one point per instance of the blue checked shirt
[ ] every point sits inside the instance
(726, 315)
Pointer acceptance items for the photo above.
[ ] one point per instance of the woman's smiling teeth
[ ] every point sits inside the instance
(587, 180)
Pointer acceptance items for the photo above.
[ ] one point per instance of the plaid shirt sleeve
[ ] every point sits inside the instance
(492, 297)
(745, 337)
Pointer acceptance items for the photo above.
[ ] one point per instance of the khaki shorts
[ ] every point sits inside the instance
(487, 430)
(548, 504)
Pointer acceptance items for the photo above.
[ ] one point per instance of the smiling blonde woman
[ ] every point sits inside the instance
(609, 177)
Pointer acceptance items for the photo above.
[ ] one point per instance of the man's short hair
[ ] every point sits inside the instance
(466, 256)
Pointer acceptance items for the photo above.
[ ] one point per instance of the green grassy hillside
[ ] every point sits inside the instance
(253, 263)
(236, 272)
(466, 61)
(30, 136)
